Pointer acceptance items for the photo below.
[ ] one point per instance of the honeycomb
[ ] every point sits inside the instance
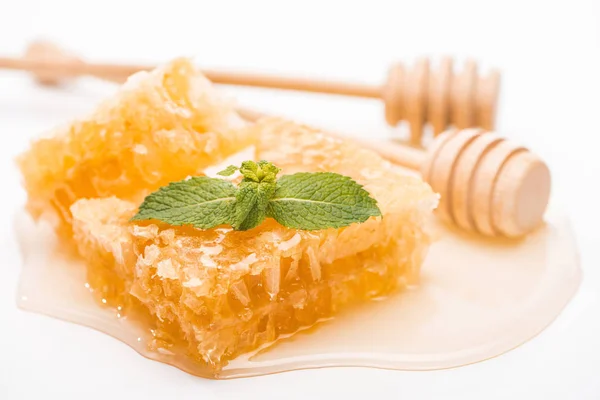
(159, 127)
(220, 293)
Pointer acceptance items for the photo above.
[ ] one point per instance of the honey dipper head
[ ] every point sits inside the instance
(41, 50)
(487, 184)
(434, 92)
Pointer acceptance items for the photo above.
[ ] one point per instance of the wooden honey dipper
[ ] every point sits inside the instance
(486, 183)
(418, 94)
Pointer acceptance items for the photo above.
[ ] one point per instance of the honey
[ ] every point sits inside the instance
(477, 299)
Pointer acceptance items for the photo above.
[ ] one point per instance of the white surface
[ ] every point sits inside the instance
(549, 56)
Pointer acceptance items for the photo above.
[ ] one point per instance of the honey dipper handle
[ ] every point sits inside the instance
(401, 155)
(62, 69)
(289, 83)
(69, 68)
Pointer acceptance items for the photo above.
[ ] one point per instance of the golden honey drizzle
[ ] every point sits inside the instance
(478, 298)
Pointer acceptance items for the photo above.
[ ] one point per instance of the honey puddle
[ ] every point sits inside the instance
(478, 298)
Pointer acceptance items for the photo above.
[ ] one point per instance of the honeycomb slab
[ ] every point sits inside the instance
(220, 293)
(159, 127)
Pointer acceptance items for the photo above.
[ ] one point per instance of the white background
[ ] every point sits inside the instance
(549, 54)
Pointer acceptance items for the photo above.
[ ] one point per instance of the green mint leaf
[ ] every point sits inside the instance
(249, 170)
(228, 171)
(267, 172)
(308, 201)
(202, 202)
(312, 201)
(252, 199)
(262, 171)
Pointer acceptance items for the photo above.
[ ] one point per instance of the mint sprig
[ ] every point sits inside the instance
(307, 201)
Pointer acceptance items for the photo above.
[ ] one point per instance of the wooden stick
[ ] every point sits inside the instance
(70, 69)
(418, 95)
